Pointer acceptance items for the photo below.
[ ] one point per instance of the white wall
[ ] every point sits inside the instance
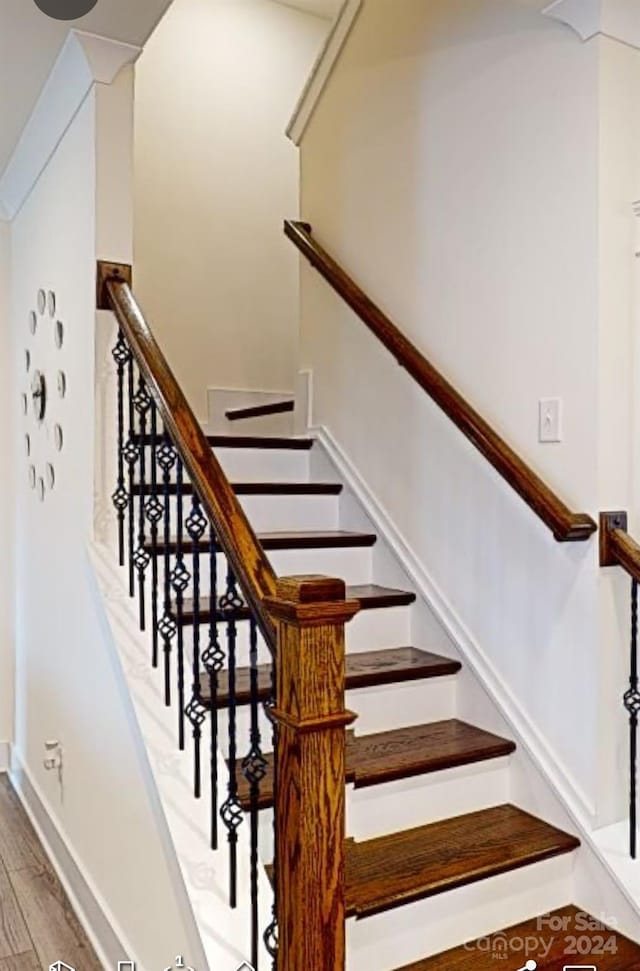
(6, 502)
(69, 684)
(452, 167)
(215, 178)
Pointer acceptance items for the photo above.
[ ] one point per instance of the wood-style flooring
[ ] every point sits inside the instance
(37, 924)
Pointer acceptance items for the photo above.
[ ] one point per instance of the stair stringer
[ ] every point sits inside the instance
(220, 935)
(538, 781)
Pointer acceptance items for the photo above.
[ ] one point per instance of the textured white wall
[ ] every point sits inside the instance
(69, 685)
(215, 178)
(452, 167)
(6, 499)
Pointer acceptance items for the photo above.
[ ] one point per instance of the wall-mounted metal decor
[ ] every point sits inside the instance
(40, 404)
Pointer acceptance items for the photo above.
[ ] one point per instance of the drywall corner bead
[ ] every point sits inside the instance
(84, 60)
(323, 69)
(618, 19)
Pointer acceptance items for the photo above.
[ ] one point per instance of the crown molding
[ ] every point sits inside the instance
(84, 60)
(323, 69)
(618, 19)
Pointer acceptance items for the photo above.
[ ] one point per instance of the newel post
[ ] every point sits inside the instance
(310, 614)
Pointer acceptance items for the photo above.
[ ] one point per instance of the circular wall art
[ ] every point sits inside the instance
(40, 405)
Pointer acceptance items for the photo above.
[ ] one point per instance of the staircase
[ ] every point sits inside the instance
(431, 833)
(409, 865)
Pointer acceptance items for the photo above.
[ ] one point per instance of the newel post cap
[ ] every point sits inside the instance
(310, 601)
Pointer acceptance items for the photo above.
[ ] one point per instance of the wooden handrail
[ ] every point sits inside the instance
(250, 564)
(617, 547)
(566, 526)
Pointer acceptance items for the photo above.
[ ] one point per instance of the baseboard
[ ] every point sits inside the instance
(575, 800)
(91, 910)
(5, 756)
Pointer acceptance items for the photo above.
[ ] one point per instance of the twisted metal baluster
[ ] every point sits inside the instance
(142, 403)
(121, 355)
(271, 934)
(231, 810)
(195, 711)
(130, 453)
(254, 766)
(213, 660)
(632, 704)
(167, 625)
(180, 579)
(154, 511)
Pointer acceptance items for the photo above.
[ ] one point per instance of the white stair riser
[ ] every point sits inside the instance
(417, 930)
(386, 707)
(247, 465)
(424, 799)
(264, 464)
(370, 630)
(271, 513)
(379, 709)
(353, 565)
(406, 803)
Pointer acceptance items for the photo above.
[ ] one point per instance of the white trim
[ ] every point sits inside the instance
(94, 915)
(617, 19)
(323, 69)
(5, 756)
(85, 60)
(558, 776)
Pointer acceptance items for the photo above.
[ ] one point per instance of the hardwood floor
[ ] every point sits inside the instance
(37, 923)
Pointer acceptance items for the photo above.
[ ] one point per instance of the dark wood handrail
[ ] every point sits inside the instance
(617, 547)
(566, 526)
(250, 564)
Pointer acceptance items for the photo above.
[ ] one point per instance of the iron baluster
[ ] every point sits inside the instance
(130, 454)
(632, 704)
(154, 511)
(121, 355)
(231, 810)
(254, 766)
(195, 711)
(180, 580)
(167, 626)
(213, 660)
(142, 403)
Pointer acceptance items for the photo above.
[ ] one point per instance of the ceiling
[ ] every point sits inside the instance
(30, 42)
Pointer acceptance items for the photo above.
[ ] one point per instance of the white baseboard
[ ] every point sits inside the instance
(5, 756)
(569, 795)
(558, 776)
(90, 908)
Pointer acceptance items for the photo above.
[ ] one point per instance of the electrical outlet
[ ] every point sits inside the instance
(550, 420)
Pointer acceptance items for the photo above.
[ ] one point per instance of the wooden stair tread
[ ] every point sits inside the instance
(283, 540)
(260, 441)
(251, 489)
(393, 870)
(401, 754)
(370, 596)
(259, 411)
(364, 670)
(472, 958)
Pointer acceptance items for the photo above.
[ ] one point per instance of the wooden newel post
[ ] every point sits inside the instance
(310, 614)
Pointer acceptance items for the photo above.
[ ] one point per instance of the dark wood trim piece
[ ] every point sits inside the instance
(617, 547)
(261, 411)
(261, 441)
(248, 559)
(566, 526)
(110, 271)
